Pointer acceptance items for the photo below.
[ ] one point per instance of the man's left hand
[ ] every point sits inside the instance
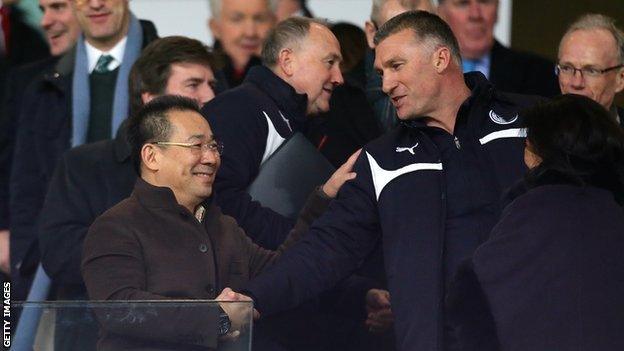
(380, 317)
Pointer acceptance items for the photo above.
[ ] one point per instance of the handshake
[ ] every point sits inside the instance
(239, 314)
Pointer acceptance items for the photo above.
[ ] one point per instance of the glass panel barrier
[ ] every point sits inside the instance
(132, 325)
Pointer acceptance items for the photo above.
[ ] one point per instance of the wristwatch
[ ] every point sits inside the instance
(224, 323)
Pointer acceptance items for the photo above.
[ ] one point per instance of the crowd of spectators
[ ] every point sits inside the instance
(126, 163)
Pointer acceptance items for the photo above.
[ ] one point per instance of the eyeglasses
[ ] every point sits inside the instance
(216, 147)
(586, 72)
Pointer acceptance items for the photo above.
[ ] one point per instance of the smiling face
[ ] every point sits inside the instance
(408, 74)
(104, 23)
(314, 68)
(241, 27)
(472, 22)
(594, 48)
(189, 173)
(59, 25)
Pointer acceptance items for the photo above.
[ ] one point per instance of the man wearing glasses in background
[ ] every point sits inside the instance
(591, 61)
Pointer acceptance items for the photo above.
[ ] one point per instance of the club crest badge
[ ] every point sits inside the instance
(498, 119)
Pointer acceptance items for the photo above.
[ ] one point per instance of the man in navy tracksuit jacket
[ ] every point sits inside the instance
(254, 119)
(430, 186)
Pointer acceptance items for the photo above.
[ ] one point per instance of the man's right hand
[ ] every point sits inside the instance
(238, 313)
(5, 259)
(340, 176)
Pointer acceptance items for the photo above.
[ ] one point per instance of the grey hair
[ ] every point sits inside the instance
(428, 28)
(289, 33)
(598, 21)
(407, 4)
(215, 7)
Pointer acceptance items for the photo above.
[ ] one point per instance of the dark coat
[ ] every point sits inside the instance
(43, 135)
(88, 180)
(551, 277)
(522, 73)
(16, 82)
(402, 196)
(148, 247)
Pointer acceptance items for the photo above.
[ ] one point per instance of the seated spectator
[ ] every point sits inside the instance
(551, 275)
(509, 70)
(239, 28)
(171, 213)
(92, 178)
(594, 47)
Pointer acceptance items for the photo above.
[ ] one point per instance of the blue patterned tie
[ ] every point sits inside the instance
(102, 64)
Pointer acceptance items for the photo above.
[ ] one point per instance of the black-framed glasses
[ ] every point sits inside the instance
(216, 147)
(570, 71)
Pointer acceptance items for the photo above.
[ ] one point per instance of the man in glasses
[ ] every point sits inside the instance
(591, 61)
(92, 178)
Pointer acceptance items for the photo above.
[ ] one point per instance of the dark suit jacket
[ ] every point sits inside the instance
(44, 134)
(88, 180)
(523, 73)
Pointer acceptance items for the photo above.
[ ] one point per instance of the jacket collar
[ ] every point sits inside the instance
(292, 104)
(480, 88)
(161, 197)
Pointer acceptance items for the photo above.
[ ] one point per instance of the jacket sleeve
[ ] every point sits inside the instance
(336, 244)
(113, 269)
(244, 139)
(65, 218)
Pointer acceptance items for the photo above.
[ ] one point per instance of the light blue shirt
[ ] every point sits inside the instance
(482, 65)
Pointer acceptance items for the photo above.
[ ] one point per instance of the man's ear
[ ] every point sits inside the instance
(370, 30)
(150, 157)
(147, 97)
(215, 27)
(619, 80)
(286, 62)
(441, 59)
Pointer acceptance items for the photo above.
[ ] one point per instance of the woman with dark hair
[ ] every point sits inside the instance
(551, 276)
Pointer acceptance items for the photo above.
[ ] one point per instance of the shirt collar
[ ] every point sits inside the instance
(117, 52)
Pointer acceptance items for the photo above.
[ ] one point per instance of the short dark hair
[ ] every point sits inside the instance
(152, 69)
(427, 28)
(288, 33)
(578, 141)
(151, 123)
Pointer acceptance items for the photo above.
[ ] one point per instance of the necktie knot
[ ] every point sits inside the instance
(102, 64)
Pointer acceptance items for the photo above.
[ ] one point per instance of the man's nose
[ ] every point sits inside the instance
(387, 84)
(337, 78)
(474, 10)
(47, 19)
